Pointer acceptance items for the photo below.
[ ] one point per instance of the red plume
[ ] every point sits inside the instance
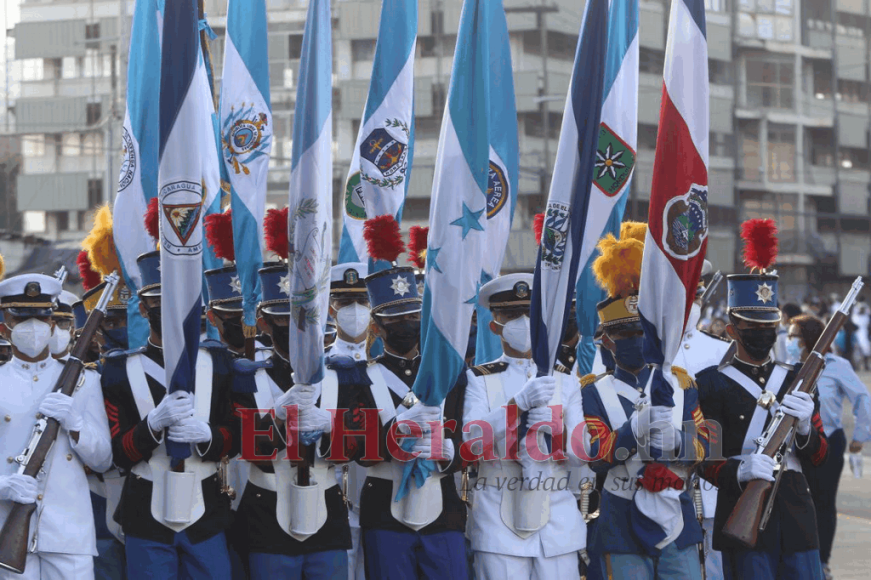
(383, 238)
(90, 278)
(275, 231)
(417, 237)
(152, 219)
(537, 227)
(219, 233)
(760, 243)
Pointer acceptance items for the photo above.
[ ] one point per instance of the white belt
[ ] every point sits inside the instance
(268, 481)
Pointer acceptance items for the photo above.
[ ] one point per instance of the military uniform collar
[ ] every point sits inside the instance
(404, 368)
(512, 361)
(350, 346)
(30, 367)
(757, 373)
(637, 382)
(154, 352)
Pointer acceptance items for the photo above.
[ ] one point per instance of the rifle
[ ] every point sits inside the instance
(16, 529)
(700, 515)
(61, 274)
(712, 288)
(750, 514)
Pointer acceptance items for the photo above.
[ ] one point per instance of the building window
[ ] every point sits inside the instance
(72, 145)
(559, 44)
(721, 145)
(93, 113)
(92, 144)
(363, 49)
(650, 61)
(853, 158)
(32, 69)
(781, 153)
(532, 125)
(819, 147)
(770, 83)
(716, 6)
(438, 98)
(92, 32)
(69, 67)
(852, 91)
(719, 72)
(437, 22)
(822, 79)
(62, 221)
(294, 44)
(95, 192)
(751, 160)
(416, 209)
(33, 146)
(427, 127)
(33, 222)
(647, 136)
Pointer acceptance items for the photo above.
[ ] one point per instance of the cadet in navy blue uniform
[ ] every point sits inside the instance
(141, 417)
(729, 393)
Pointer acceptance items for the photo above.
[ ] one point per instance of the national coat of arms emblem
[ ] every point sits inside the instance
(245, 137)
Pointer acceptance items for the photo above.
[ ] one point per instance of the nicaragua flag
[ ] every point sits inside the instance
(457, 216)
(615, 164)
(568, 205)
(137, 182)
(502, 172)
(246, 139)
(381, 164)
(181, 200)
(310, 201)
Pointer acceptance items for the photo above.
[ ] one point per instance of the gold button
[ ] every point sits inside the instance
(69, 456)
(741, 417)
(7, 418)
(686, 346)
(357, 356)
(256, 495)
(408, 372)
(39, 497)
(10, 459)
(39, 415)
(762, 380)
(35, 379)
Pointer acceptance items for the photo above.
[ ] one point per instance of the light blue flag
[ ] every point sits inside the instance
(182, 151)
(381, 164)
(246, 136)
(503, 171)
(310, 201)
(458, 241)
(615, 163)
(137, 182)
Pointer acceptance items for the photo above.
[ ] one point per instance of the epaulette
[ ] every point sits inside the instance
(489, 369)
(683, 378)
(91, 366)
(588, 379)
(723, 339)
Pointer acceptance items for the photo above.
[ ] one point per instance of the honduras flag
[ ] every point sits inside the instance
(502, 173)
(137, 182)
(569, 203)
(457, 235)
(246, 138)
(181, 199)
(310, 201)
(381, 164)
(615, 163)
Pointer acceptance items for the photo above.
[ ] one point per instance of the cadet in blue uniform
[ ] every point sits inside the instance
(788, 547)
(141, 417)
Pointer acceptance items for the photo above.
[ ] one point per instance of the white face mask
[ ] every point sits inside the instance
(353, 319)
(695, 316)
(516, 334)
(31, 337)
(60, 340)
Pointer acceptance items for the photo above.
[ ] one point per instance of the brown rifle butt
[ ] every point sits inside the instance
(14, 537)
(743, 523)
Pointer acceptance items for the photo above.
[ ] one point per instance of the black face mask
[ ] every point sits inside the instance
(232, 333)
(154, 320)
(758, 342)
(403, 336)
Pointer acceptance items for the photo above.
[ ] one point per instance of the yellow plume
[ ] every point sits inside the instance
(618, 269)
(100, 244)
(2, 267)
(634, 230)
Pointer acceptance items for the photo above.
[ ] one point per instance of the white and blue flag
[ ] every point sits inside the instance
(137, 182)
(310, 203)
(502, 173)
(180, 192)
(568, 205)
(246, 138)
(381, 164)
(615, 163)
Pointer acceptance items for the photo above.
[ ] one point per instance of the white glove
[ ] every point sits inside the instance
(59, 406)
(420, 414)
(173, 408)
(756, 466)
(647, 416)
(300, 395)
(425, 450)
(314, 419)
(535, 393)
(664, 437)
(18, 488)
(190, 430)
(801, 406)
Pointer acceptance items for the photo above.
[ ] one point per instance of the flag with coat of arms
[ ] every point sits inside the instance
(381, 163)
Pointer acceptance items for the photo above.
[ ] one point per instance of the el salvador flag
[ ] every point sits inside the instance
(181, 200)
(568, 205)
(381, 164)
(246, 138)
(310, 200)
(137, 182)
(502, 174)
(457, 236)
(614, 164)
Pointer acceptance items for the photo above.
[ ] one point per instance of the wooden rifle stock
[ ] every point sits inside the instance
(15, 534)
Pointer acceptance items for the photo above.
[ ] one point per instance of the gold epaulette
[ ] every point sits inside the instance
(683, 378)
(91, 366)
(588, 379)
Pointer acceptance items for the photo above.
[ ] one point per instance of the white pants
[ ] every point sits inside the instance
(489, 566)
(53, 566)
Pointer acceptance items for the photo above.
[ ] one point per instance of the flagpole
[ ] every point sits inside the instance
(207, 52)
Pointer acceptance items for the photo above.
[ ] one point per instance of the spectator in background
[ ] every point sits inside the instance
(718, 327)
(789, 311)
(861, 317)
(837, 381)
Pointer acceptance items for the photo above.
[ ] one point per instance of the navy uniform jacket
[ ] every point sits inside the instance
(133, 442)
(792, 527)
(614, 533)
(377, 494)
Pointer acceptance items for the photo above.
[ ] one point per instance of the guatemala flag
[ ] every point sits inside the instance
(137, 182)
(381, 165)
(246, 137)
(569, 203)
(457, 216)
(310, 203)
(181, 200)
(502, 173)
(615, 163)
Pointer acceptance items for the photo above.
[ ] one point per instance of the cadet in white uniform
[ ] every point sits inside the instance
(62, 530)
(349, 306)
(506, 544)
